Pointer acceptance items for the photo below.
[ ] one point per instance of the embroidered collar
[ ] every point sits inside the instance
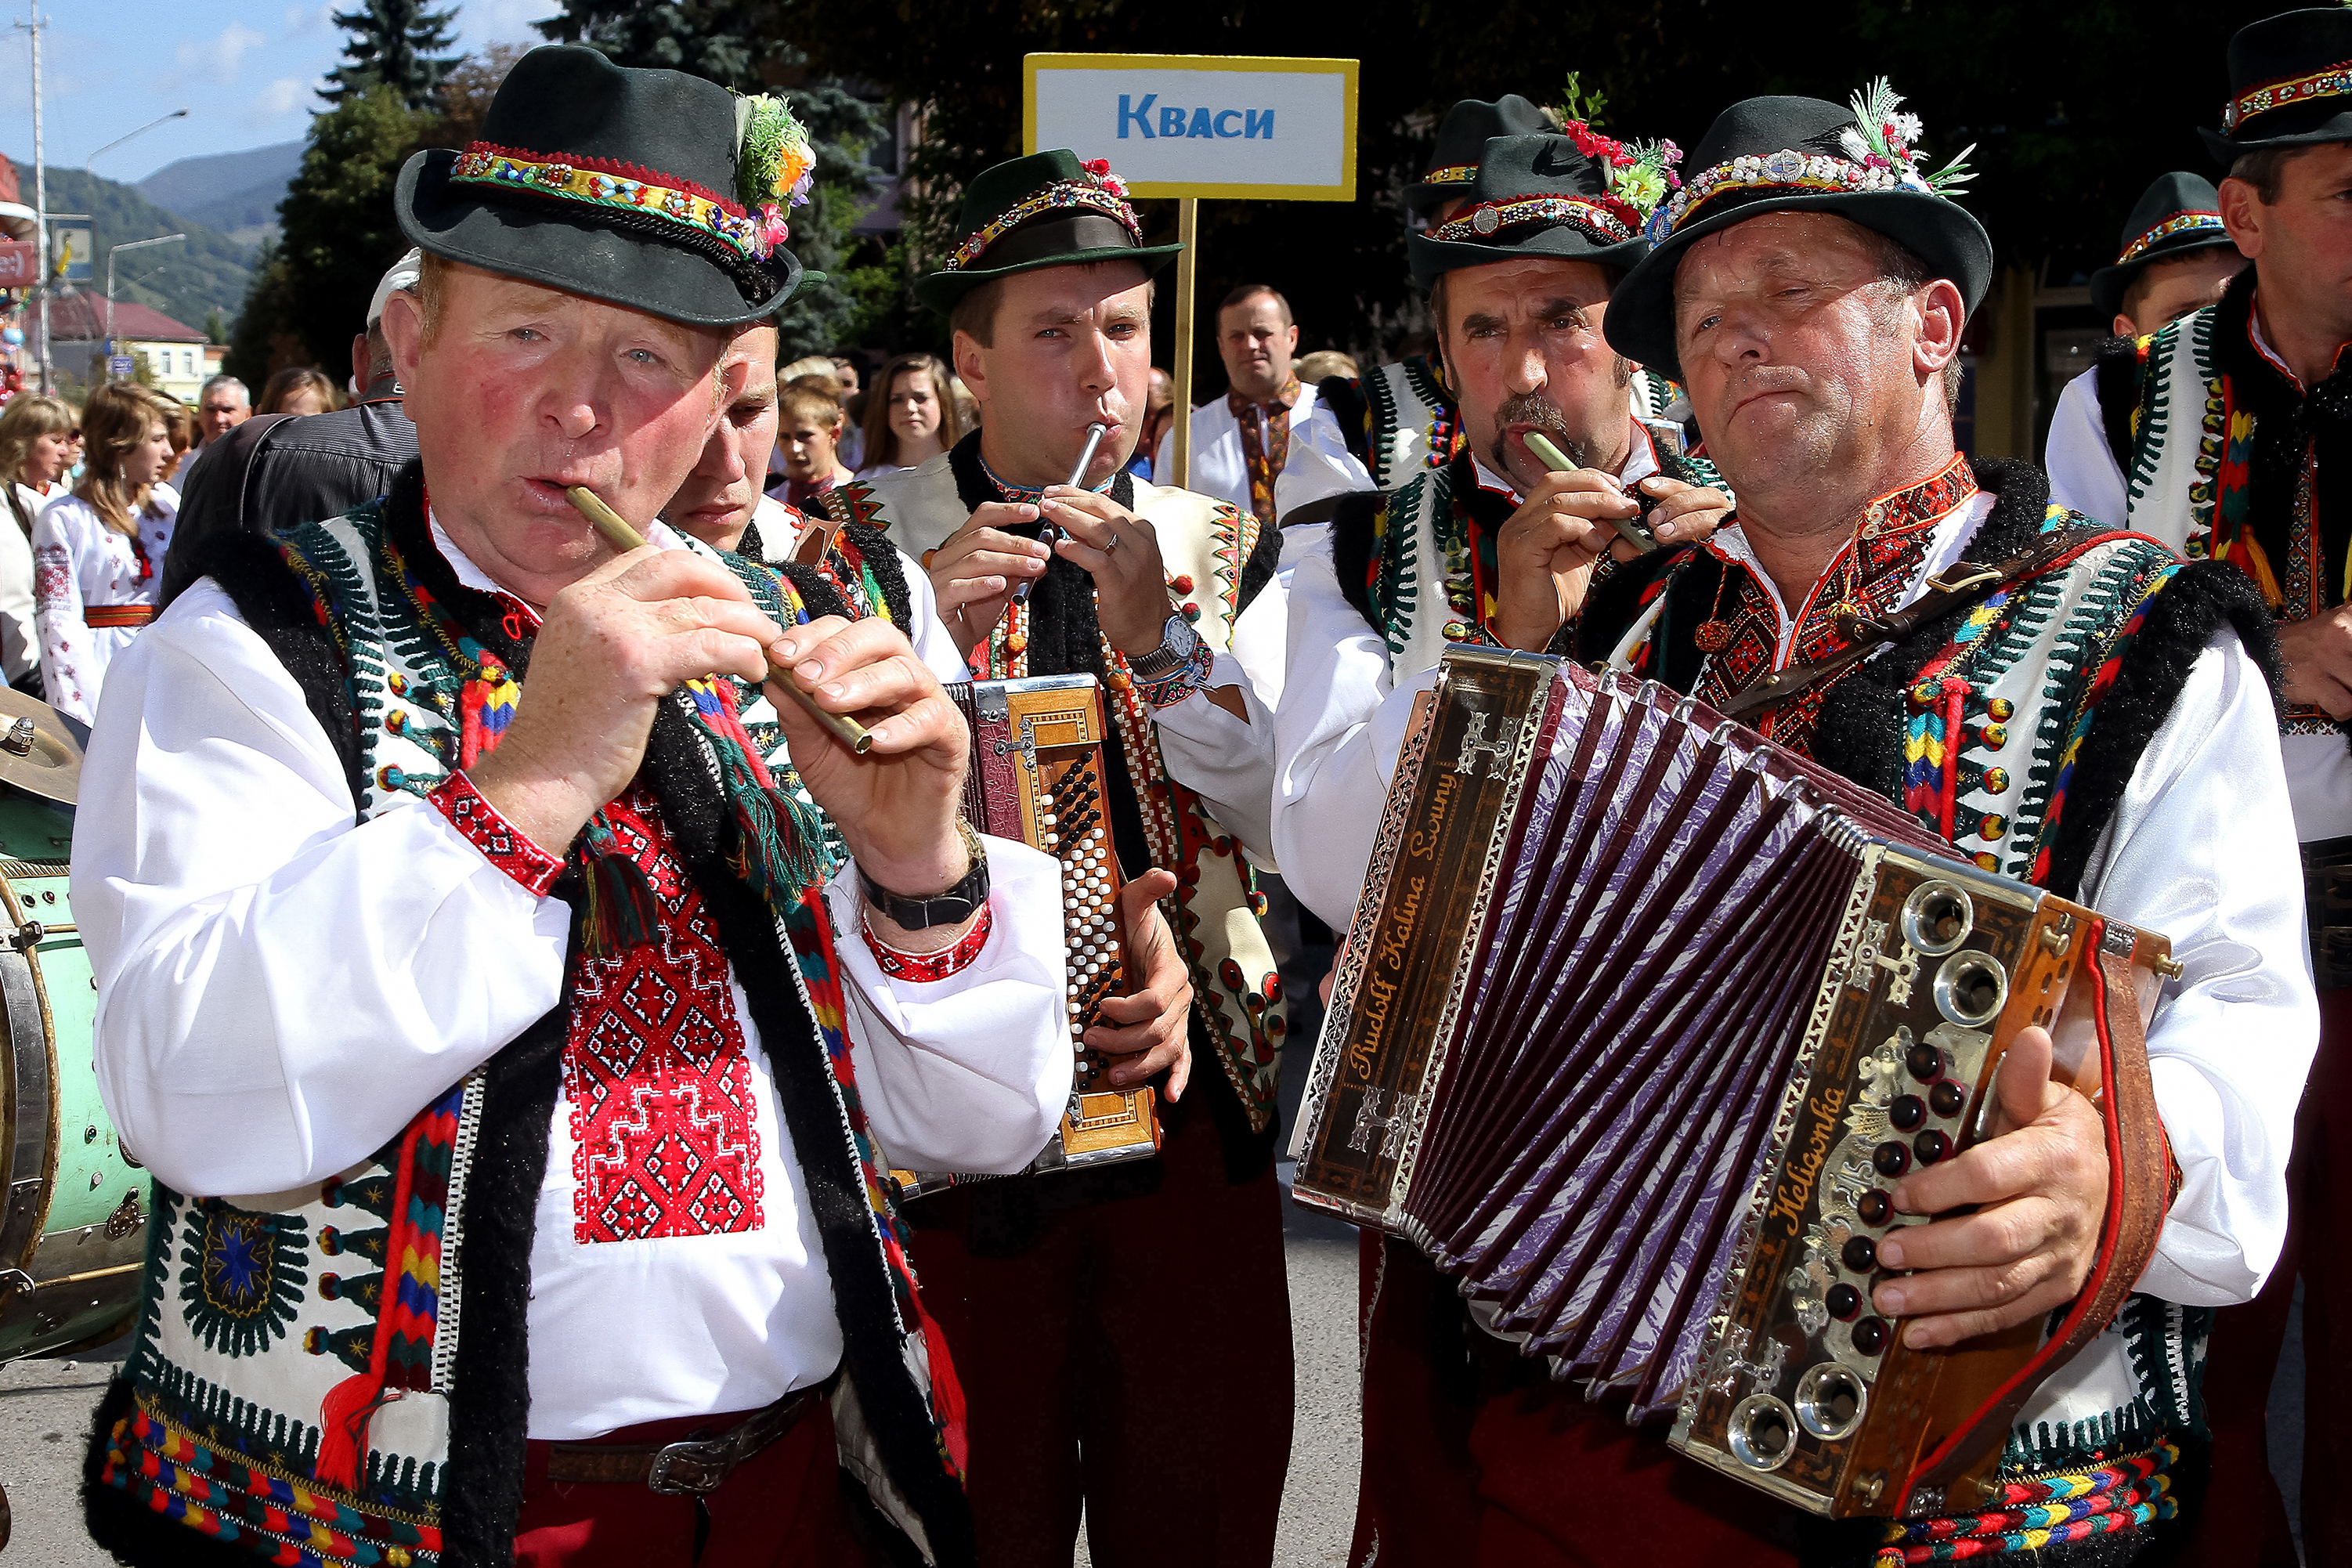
(1286, 398)
(1007, 490)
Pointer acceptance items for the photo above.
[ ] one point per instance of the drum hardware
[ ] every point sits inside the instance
(37, 753)
(127, 1218)
(19, 742)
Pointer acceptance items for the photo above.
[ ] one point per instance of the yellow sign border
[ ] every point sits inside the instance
(1161, 189)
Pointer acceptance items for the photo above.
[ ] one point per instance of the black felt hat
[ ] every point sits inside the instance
(616, 183)
(2290, 84)
(1462, 138)
(1532, 195)
(2179, 213)
(1798, 155)
(1045, 210)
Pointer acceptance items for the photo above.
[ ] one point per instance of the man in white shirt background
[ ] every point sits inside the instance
(1269, 443)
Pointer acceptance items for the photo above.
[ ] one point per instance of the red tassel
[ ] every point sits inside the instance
(1955, 693)
(342, 1427)
(946, 1391)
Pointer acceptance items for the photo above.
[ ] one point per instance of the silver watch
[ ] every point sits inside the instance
(1178, 642)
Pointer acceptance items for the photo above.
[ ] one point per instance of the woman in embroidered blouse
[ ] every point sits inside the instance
(35, 451)
(915, 419)
(98, 552)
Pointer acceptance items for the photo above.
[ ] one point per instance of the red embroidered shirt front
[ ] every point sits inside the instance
(655, 1070)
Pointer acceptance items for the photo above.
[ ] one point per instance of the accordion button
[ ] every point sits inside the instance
(1860, 1254)
(1890, 1159)
(1924, 1062)
(1931, 1146)
(1909, 1112)
(1844, 1301)
(1869, 1335)
(1875, 1207)
(1946, 1099)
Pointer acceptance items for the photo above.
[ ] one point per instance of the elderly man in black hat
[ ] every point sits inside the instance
(2234, 426)
(474, 972)
(1495, 547)
(2098, 727)
(1173, 1443)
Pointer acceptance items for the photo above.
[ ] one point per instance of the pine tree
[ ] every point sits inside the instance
(393, 44)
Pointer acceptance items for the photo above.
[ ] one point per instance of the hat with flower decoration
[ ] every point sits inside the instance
(2178, 214)
(650, 189)
(1462, 138)
(2290, 84)
(1576, 196)
(1801, 154)
(1045, 210)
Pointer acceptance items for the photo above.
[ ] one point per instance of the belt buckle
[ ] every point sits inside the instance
(689, 1469)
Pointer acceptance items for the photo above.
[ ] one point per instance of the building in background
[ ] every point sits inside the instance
(177, 355)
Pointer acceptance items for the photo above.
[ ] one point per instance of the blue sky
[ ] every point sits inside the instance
(247, 73)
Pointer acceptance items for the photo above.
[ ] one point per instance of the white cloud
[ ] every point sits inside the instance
(308, 18)
(216, 60)
(278, 97)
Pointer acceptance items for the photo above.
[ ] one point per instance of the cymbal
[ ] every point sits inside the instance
(38, 754)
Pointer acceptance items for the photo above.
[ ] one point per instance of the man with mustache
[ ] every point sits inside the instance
(1045, 1283)
(471, 970)
(2066, 703)
(1489, 547)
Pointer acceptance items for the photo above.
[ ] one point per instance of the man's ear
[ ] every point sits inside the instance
(2242, 215)
(970, 364)
(403, 330)
(1942, 314)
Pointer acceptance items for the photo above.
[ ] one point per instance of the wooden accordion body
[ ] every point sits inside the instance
(1037, 776)
(1640, 1018)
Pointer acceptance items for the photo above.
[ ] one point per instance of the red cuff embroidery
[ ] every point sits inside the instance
(925, 967)
(502, 844)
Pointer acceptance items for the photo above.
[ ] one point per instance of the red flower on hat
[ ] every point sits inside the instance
(1097, 167)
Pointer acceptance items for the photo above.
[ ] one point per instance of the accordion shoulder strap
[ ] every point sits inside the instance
(1956, 588)
(2138, 1193)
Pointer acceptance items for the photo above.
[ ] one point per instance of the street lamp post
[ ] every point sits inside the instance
(113, 251)
(110, 146)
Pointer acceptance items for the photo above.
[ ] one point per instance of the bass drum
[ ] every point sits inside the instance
(73, 1216)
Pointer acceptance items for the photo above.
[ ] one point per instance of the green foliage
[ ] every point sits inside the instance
(143, 370)
(727, 41)
(392, 45)
(337, 232)
(252, 343)
(201, 273)
(821, 318)
(215, 329)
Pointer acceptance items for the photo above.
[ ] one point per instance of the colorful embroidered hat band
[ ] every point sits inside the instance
(1102, 192)
(619, 187)
(1451, 174)
(1604, 219)
(2334, 82)
(2179, 223)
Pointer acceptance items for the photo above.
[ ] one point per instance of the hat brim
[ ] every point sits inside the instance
(2225, 151)
(1431, 258)
(941, 291)
(543, 240)
(1424, 198)
(1641, 320)
(2109, 284)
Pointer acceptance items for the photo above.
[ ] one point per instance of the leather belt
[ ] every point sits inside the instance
(692, 1466)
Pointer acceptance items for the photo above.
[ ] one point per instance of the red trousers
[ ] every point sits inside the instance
(1471, 1460)
(778, 1509)
(2244, 1522)
(1137, 1359)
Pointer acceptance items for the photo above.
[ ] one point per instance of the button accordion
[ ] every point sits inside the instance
(1037, 776)
(1641, 1018)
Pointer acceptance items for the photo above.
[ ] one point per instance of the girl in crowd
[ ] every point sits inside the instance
(37, 441)
(100, 550)
(301, 390)
(914, 420)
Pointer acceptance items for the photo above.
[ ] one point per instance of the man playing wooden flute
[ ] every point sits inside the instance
(1042, 1282)
(517, 1072)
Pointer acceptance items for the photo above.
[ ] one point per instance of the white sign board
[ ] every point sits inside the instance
(1236, 127)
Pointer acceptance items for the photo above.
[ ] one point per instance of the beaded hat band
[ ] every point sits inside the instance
(1602, 217)
(616, 187)
(1786, 170)
(2179, 223)
(2334, 82)
(1451, 174)
(1069, 195)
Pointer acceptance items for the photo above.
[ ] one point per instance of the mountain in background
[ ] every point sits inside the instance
(208, 271)
(235, 193)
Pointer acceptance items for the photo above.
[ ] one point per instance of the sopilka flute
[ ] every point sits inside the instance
(621, 536)
(1632, 529)
(1048, 534)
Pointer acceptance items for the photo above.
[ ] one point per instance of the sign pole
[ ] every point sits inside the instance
(1188, 262)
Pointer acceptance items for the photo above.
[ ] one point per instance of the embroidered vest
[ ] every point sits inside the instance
(2013, 727)
(411, 1267)
(1206, 547)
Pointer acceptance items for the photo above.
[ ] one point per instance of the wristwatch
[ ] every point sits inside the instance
(953, 907)
(1177, 643)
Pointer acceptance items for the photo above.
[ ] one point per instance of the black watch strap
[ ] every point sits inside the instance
(953, 907)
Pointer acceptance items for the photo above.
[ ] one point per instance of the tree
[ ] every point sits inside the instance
(392, 46)
(742, 45)
(215, 327)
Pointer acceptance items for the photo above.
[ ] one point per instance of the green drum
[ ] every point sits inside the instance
(73, 1219)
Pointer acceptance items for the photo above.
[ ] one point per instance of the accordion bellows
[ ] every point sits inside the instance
(1640, 1019)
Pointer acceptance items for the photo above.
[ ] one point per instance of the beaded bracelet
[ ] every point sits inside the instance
(1180, 682)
